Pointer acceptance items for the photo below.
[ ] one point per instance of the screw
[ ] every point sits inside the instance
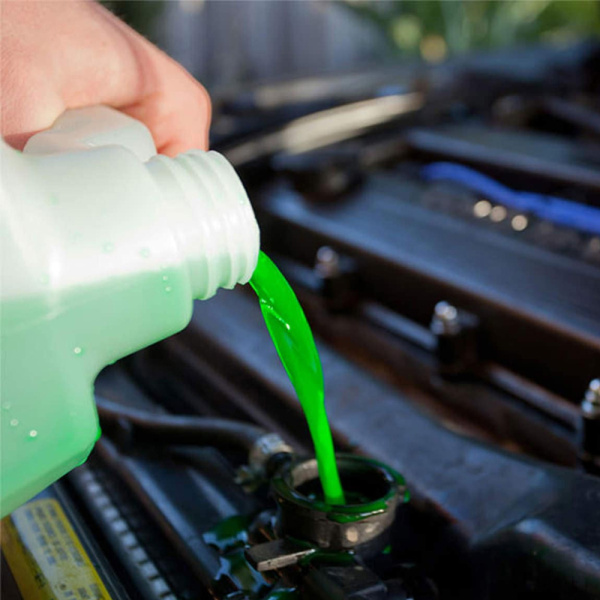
(445, 319)
(592, 395)
(590, 406)
(328, 262)
(589, 428)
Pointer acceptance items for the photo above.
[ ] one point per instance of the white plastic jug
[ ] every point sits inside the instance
(104, 246)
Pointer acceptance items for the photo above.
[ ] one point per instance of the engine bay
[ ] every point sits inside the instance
(441, 228)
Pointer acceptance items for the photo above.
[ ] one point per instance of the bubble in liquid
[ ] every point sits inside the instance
(33, 433)
(165, 278)
(168, 289)
(78, 350)
(14, 422)
(108, 247)
(6, 406)
(144, 252)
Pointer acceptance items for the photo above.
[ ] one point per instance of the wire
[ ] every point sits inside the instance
(550, 208)
(178, 429)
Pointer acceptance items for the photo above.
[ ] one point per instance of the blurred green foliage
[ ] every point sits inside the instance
(436, 28)
(433, 29)
(139, 14)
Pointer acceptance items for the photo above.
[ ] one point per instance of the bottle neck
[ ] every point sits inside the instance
(216, 229)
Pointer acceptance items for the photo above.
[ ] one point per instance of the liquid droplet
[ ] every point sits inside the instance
(108, 247)
(44, 280)
(144, 252)
(6, 406)
(14, 422)
(168, 289)
(78, 350)
(33, 433)
(54, 200)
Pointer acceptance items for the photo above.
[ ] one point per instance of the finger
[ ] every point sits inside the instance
(177, 113)
(174, 106)
(59, 55)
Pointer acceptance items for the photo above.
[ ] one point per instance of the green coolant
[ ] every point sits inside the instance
(53, 345)
(293, 339)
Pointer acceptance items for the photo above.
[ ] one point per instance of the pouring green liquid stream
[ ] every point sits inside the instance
(293, 339)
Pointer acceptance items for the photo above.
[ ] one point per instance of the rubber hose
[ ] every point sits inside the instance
(180, 429)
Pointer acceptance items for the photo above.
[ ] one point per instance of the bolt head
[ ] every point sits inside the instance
(445, 319)
(592, 395)
(328, 262)
(446, 312)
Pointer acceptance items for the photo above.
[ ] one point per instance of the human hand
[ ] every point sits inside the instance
(69, 54)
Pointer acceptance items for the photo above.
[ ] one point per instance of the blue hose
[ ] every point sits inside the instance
(557, 210)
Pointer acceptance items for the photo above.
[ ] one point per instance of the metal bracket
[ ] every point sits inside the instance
(277, 554)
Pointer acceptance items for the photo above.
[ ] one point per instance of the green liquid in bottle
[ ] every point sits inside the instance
(293, 339)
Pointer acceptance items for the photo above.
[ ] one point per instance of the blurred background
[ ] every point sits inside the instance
(237, 42)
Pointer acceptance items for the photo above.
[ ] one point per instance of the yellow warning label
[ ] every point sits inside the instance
(46, 557)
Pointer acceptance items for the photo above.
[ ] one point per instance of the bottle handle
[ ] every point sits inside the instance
(92, 127)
